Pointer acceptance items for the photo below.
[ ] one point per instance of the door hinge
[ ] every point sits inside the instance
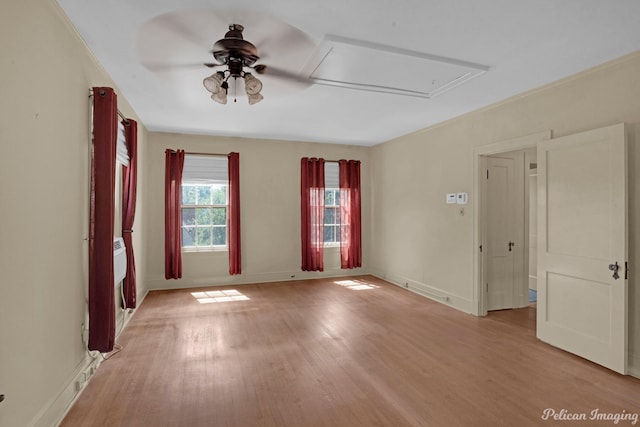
(487, 173)
(487, 287)
(626, 270)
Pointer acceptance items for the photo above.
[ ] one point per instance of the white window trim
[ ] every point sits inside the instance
(212, 248)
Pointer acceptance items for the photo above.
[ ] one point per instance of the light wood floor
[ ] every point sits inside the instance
(317, 353)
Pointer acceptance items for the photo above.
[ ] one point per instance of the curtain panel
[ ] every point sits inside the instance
(350, 214)
(129, 189)
(102, 323)
(312, 213)
(235, 258)
(174, 162)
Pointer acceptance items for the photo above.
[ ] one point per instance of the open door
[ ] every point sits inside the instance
(499, 234)
(582, 245)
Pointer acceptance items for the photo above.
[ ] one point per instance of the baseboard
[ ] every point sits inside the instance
(634, 366)
(430, 292)
(160, 283)
(55, 410)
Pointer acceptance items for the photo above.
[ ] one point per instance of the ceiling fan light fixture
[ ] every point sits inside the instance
(214, 82)
(252, 85)
(254, 99)
(221, 95)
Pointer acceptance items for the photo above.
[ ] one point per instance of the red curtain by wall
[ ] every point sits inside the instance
(350, 224)
(174, 162)
(312, 213)
(235, 259)
(129, 188)
(102, 323)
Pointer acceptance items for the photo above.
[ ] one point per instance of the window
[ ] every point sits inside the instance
(331, 216)
(205, 203)
(331, 204)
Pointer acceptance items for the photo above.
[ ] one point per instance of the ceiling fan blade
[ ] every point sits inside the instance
(281, 73)
(178, 26)
(166, 66)
(284, 40)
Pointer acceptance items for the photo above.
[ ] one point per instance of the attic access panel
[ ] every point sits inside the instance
(355, 64)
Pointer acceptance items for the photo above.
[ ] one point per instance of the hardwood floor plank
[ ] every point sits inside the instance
(331, 352)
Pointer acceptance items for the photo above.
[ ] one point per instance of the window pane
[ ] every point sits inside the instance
(188, 216)
(330, 234)
(204, 216)
(204, 236)
(188, 194)
(327, 234)
(188, 236)
(337, 197)
(219, 235)
(219, 216)
(329, 214)
(328, 197)
(204, 195)
(219, 194)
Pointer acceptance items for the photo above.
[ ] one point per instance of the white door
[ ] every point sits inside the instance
(582, 230)
(500, 223)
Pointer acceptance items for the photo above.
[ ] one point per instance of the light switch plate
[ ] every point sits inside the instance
(462, 198)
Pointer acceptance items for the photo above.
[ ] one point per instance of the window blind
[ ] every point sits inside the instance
(205, 169)
(122, 154)
(331, 175)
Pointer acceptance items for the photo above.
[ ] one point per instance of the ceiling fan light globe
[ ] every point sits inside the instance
(213, 82)
(254, 99)
(220, 97)
(252, 85)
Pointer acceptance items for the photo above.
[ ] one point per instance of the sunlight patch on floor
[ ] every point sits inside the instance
(356, 285)
(226, 295)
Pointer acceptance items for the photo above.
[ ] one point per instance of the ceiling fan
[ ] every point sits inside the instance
(239, 56)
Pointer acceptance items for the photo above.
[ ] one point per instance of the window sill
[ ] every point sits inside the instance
(204, 250)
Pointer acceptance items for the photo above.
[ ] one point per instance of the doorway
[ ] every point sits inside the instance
(506, 200)
(503, 264)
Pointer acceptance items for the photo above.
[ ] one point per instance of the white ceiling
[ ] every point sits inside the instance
(156, 60)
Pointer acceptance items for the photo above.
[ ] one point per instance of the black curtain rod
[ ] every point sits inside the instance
(124, 118)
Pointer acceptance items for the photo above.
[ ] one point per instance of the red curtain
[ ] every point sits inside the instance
(312, 213)
(350, 224)
(174, 162)
(102, 322)
(129, 187)
(235, 259)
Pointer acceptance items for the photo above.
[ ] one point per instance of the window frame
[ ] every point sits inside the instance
(336, 222)
(225, 206)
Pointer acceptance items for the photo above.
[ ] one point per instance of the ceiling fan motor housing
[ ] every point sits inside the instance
(233, 48)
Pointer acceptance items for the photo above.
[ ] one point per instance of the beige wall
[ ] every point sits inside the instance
(418, 239)
(409, 234)
(270, 210)
(44, 173)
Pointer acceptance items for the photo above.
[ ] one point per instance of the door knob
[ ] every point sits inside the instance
(1, 397)
(511, 245)
(614, 268)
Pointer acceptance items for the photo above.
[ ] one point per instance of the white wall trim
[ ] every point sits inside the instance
(479, 296)
(160, 283)
(633, 367)
(57, 408)
(428, 291)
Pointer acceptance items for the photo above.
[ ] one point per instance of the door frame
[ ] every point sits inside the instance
(479, 165)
